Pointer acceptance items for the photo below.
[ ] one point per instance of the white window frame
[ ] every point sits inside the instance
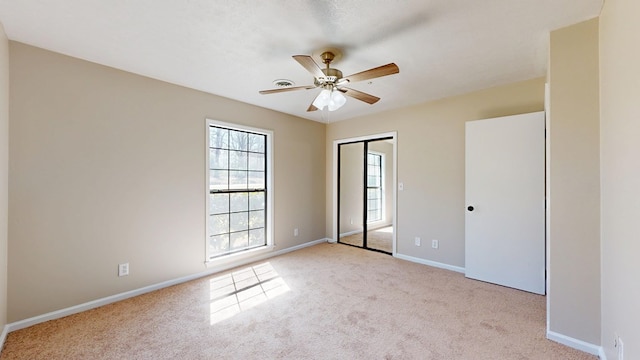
(239, 256)
(383, 214)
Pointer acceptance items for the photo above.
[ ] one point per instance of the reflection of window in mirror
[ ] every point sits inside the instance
(375, 183)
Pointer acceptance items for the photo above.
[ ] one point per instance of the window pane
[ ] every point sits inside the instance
(256, 162)
(256, 201)
(218, 159)
(218, 224)
(237, 179)
(219, 180)
(239, 202)
(239, 240)
(219, 244)
(238, 160)
(237, 140)
(373, 215)
(239, 221)
(256, 237)
(256, 180)
(371, 193)
(218, 203)
(218, 138)
(256, 219)
(256, 143)
(374, 182)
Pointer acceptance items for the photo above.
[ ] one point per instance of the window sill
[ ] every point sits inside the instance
(240, 258)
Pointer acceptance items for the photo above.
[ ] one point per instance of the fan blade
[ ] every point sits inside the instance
(263, 92)
(307, 62)
(368, 98)
(313, 107)
(380, 71)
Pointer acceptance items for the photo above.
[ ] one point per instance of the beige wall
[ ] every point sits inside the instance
(4, 170)
(574, 178)
(109, 167)
(351, 183)
(430, 162)
(620, 151)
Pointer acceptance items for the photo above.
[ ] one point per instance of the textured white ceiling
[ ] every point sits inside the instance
(234, 48)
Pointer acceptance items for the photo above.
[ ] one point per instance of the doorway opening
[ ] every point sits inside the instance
(365, 193)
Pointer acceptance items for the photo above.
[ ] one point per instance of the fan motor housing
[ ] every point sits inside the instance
(332, 75)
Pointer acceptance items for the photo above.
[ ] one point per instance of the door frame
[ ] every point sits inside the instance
(394, 138)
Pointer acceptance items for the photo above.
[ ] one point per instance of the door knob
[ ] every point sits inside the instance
(470, 208)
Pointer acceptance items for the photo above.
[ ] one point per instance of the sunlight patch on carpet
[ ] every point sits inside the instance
(243, 289)
(387, 230)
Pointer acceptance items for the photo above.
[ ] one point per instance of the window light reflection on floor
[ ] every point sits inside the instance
(388, 229)
(243, 289)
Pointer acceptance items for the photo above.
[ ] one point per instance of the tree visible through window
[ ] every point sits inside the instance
(237, 191)
(374, 187)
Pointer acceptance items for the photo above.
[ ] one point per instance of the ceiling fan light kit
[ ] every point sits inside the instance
(331, 98)
(332, 83)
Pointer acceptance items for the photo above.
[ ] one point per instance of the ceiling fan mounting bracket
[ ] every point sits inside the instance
(327, 57)
(334, 53)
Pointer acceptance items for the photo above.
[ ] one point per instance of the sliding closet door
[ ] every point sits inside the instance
(351, 194)
(365, 196)
(379, 233)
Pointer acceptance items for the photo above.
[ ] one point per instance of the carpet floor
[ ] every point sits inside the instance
(329, 301)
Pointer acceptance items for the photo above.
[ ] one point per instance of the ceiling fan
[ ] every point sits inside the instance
(332, 83)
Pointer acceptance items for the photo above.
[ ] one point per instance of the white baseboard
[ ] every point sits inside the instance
(351, 233)
(430, 263)
(128, 294)
(601, 354)
(372, 228)
(3, 336)
(575, 343)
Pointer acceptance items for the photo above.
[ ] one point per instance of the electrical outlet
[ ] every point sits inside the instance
(400, 186)
(417, 241)
(295, 232)
(351, 221)
(123, 269)
(435, 244)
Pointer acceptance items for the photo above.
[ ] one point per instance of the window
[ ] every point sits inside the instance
(374, 187)
(238, 203)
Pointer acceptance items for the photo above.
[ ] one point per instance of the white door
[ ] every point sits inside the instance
(504, 190)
